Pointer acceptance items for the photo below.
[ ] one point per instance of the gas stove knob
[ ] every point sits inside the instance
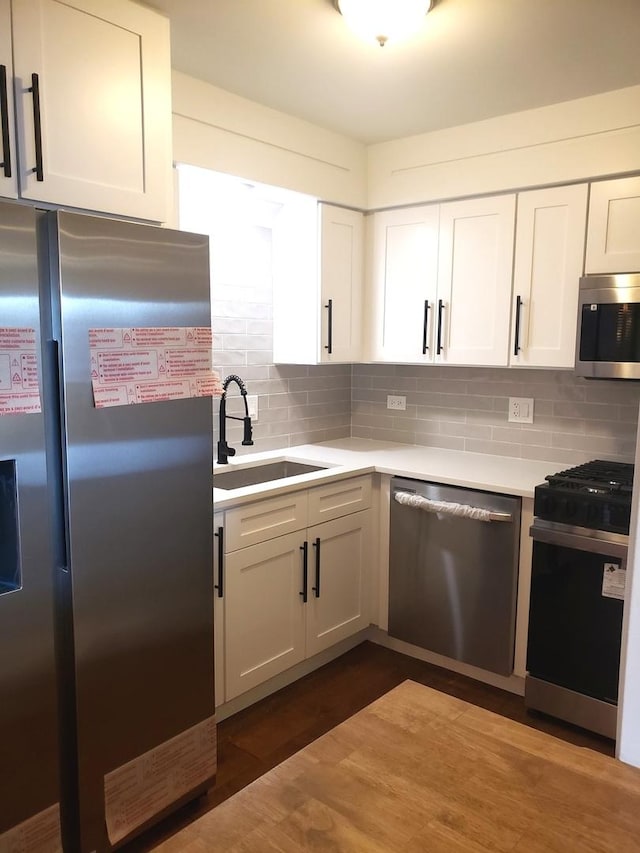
(570, 509)
(547, 505)
(593, 515)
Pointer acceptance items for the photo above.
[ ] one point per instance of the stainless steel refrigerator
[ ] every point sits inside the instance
(106, 617)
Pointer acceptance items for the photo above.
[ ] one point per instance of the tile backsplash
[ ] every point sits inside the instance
(297, 404)
(462, 408)
(465, 408)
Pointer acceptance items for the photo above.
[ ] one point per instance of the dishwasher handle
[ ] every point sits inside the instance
(475, 513)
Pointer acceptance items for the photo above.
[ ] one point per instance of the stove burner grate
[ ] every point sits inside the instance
(596, 477)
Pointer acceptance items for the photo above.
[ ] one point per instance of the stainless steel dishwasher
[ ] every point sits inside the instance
(453, 571)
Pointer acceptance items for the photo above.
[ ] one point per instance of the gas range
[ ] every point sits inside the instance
(595, 495)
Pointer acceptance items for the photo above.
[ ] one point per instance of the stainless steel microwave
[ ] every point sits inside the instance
(608, 339)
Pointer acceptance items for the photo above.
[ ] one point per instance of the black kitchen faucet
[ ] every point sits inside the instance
(224, 451)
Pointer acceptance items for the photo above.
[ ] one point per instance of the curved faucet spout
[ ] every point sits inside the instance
(224, 450)
(234, 378)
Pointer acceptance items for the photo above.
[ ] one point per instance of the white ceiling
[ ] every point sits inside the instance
(473, 59)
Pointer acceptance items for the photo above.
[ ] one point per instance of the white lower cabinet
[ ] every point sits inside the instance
(337, 605)
(218, 608)
(290, 596)
(264, 612)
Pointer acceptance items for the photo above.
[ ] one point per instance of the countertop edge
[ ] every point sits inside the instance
(353, 457)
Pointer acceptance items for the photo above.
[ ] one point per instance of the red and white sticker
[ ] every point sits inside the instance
(146, 365)
(143, 787)
(38, 834)
(19, 385)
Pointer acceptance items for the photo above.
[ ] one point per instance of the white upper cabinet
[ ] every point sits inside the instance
(549, 257)
(92, 87)
(441, 282)
(404, 278)
(613, 234)
(341, 251)
(317, 299)
(474, 280)
(8, 164)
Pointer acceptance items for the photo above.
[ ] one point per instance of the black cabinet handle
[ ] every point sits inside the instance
(516, 346)
(219, 534)
(425, 326)
(4, 121)
(439, 337)
(316, 588)
(305, 572)
(37, 125)
(329, 345)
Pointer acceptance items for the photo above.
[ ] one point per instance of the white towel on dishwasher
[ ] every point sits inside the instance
(443, 507)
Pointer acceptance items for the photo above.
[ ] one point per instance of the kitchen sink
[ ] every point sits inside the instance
(237, 479)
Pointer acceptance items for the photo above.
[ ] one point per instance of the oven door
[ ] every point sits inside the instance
(575, 616)
(608, 342)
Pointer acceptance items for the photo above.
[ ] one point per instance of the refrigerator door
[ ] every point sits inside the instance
(28, 714)
(139, 510)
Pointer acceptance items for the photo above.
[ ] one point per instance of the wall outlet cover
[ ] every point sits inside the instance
(521, 410)
(398, 404)
(252, 403)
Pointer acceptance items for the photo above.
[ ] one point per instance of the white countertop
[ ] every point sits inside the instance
(348, 457)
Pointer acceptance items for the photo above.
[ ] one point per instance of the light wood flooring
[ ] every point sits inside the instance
(418, 770)
(254, 741)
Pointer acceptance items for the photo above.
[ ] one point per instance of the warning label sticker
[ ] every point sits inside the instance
(19, 386)
(137, 791)
(614, 580)
(147, 365)
(37, 834)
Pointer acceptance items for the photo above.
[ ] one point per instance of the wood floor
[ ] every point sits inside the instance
(418, 771)
(255, 740)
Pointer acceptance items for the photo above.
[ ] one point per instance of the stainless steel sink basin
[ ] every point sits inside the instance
(236, 479)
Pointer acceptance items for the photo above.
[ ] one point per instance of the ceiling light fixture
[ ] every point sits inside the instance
(383, 20)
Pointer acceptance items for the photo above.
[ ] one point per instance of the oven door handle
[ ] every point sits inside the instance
(579, 543)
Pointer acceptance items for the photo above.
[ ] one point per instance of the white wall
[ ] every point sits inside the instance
(589, 137)
(628, 746)
(576, 140)
(217, 130)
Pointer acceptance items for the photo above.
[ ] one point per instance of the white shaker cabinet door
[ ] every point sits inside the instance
(404, 278)
(218, 609)
(264, 612)
(340, 556)
(8, 159)
(613, 234)
(341, 250)
(474, 280)
(92, 88)
(548, 264)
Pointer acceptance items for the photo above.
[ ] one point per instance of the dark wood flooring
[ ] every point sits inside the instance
(253, 741)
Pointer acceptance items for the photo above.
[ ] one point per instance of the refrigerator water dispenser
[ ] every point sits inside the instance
(10, 579)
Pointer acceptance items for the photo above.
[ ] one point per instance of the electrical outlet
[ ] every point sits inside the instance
(521, 410)
(252, 403)
(398, 404)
